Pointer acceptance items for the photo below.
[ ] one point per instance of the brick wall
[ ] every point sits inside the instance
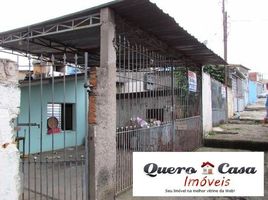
(92, 97)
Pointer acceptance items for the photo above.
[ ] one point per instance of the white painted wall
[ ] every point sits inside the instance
(230, 102)
(9, 109)
(206, 103)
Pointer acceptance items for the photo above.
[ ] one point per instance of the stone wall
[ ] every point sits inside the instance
(9, 109)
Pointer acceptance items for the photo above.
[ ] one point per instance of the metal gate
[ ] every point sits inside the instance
(156, 111)
(218, 94)
(53, 126)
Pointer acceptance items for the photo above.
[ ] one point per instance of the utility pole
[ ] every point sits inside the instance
(224, 14)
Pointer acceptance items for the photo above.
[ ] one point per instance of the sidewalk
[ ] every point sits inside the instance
(248, 132)
(255, 112)
(239, 136)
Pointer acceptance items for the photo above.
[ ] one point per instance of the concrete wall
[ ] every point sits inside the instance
(246, 92)
(206, 103)
(230, 102)
(234, 88)
(238, 94)
(241, 104)
(35, 104)
(9, 154)
(260, 88)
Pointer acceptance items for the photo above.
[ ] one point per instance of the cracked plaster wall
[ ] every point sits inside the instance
(10, 181)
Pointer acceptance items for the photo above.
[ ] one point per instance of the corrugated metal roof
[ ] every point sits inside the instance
(142, 13)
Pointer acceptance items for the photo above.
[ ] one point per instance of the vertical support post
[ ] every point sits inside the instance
(87, 103)
(102, 129)
(173, 107)
(201, 106)
(226, 73)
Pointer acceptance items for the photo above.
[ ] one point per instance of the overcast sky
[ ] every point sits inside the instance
(247, 27)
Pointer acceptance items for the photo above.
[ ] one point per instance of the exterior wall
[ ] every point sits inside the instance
(234, 88)
(238, 94)
(252, 98)
(255, 76)
(241, 104)
(260, 88)
(139, 81)
(246, 92)
(9, 154)
(35, 105)
(206, 103)
(266, 86)
(230, 102)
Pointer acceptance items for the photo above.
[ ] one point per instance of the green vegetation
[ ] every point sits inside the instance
(216, 72)
(210, 133)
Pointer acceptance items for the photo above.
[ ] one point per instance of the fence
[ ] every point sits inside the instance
(158, 107)
(53, 128)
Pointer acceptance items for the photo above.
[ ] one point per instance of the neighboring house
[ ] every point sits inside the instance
(42, 109)
(224, 103)
(245, 71)
(135, 91)
(265, 85)
(239, 87)
(24, 72)
(260, 87)
(151, 110)
(255, 76)
(240, 84)
(252, 97)
(258, 79)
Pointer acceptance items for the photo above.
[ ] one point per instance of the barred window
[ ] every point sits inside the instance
(57, 110)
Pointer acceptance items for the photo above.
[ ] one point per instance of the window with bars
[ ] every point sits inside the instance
(156, 114)
(65, 122)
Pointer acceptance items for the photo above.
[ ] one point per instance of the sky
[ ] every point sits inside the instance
(247, 23)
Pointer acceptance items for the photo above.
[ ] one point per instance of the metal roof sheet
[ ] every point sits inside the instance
(142, 13)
